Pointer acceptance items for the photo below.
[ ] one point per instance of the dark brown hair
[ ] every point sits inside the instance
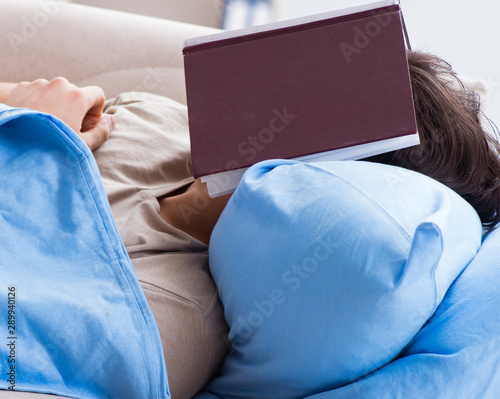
(455, 148)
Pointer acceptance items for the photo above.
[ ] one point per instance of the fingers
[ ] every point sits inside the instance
(90, 100)
(73, 105)
(95, 100)
(79, 107)
(99, 133)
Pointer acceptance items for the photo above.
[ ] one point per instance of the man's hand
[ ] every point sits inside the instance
(80, 108)
(5, 89)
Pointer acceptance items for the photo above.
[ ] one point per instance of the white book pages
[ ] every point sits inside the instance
(226, 182)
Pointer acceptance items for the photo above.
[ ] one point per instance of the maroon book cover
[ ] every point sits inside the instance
(307, 88)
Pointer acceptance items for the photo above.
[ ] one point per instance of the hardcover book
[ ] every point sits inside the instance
(332, 86)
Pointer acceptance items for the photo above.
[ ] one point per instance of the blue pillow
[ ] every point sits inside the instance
(328, 270)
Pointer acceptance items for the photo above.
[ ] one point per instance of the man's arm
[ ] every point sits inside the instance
(5, 89)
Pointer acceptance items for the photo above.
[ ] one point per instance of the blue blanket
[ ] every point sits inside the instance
(73, 318)
(456, 355)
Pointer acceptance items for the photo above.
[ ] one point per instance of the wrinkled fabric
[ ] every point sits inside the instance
(455, 355)
(327, 271)
(80, 325)
(147, 157)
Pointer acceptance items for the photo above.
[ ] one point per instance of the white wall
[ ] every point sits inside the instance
(466, 33)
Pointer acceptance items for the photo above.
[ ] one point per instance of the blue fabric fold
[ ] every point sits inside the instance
(455, 355)
(75, 321)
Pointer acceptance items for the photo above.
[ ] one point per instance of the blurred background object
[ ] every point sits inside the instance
(246, 13)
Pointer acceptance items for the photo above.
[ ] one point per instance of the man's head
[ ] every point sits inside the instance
(455, 148)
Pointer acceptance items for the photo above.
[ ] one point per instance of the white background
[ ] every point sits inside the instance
(465, 33)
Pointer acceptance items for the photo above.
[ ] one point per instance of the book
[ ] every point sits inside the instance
(332, 86)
